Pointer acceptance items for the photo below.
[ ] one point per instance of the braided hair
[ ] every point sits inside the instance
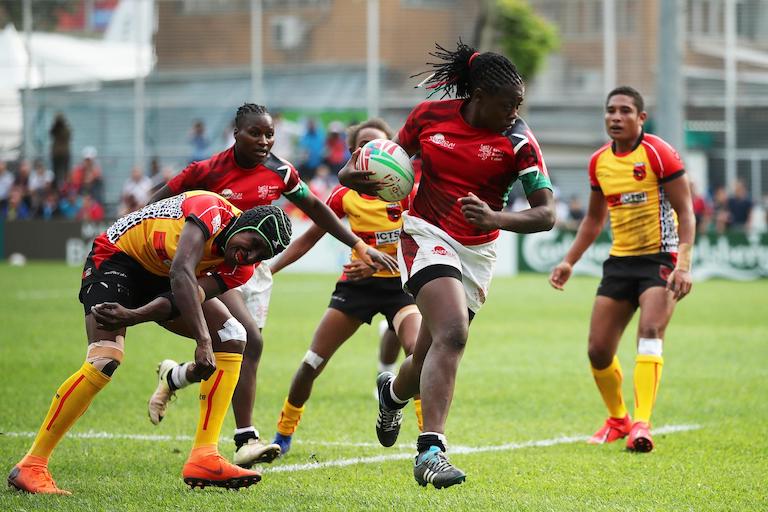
(269, 221)
(247, 109)
(464, 70)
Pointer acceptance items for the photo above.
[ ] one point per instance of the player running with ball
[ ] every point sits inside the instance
(473, 149)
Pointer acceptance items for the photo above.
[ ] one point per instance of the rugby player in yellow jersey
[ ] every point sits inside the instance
(640, 181)
(166, 262)
(360, 293)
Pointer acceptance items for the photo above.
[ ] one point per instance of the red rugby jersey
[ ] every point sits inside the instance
(243, 187)
(458, 158)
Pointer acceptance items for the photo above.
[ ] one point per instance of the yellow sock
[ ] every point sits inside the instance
(419, 415)
(215, 397)
(609, 381)
(289, 418)
(647, 377)
(70, 402)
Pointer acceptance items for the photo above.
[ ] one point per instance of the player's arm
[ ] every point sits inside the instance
(161, 193)
(298, 248)
(539, 217)
(589, 230)
(323, 216)
(679, 193)
(189, 252)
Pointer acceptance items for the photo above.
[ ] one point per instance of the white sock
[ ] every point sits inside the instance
(179, 376)
(384, 367)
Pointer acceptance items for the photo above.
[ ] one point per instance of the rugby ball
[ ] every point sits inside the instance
(391, 165)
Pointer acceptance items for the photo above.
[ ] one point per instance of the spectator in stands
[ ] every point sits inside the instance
(6, 182)
(90, 209)
(39, 181)
(312, 146)
(574, 213)
(701, 210)
(16, 208)
(49, 206)
(60, 154)
(88, 164)
(720, 212)
(739, 208)
(287, 134)
(70, 203)
(136, 192)
(93, 185)
(323, 182)
(22, 179)
(199, 142)
(336, 150)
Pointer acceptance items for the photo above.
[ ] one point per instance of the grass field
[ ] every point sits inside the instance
(524, 402)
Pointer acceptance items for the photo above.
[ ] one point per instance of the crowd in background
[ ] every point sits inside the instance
(54, 189)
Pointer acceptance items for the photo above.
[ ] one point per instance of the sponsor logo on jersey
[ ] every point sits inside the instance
(228, 194)
(639, 171)
(394, 211)
(387, 237)
(440, 140)
(268, 191)
(216, 223)
(627, 198)
(487, 151)
(440, 250)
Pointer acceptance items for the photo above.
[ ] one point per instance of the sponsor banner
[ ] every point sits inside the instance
(732, 256)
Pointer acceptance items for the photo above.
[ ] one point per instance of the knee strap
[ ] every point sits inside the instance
(106, 355)
(405, 312)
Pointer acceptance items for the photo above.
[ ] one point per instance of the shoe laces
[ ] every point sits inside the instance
(390, 418)
(41, 474)
(439, 462)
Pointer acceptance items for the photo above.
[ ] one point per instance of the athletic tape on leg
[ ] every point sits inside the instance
(649, 346)
(313, 359)
(404, 313)
(103, 352)
(232, 330)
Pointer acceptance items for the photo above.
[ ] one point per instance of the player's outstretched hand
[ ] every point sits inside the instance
(478, 213)
(205, 364)
(560, 275)
(356, 270)
(679, 283)
(357, 180)
(381, 260)
(111, 316)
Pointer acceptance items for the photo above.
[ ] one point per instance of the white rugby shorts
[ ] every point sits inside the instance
(256, 293)
(423, 245)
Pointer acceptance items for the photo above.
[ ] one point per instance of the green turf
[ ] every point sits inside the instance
(524, 378)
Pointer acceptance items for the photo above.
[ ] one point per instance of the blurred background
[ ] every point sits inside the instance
(102, 100)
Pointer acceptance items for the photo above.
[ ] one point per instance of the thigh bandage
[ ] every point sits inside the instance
(232, 330)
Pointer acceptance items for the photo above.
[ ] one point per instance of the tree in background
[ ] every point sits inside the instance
(523, 36)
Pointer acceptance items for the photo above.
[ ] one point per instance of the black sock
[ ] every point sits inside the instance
(386, 397)
(241, 439)
(426, 440)
(169, 380)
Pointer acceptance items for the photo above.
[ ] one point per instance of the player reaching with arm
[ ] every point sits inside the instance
(640, 181)
(166, 261)
(473, 149)
(248, 174)
(355, 300)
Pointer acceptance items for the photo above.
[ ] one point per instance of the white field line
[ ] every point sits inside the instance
(453, 449)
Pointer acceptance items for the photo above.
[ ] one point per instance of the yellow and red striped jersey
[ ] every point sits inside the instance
(375, 221)
(642, 219)
(151, 235)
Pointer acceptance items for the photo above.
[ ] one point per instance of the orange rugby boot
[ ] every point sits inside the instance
(612, 430)
(639, 439)
(206, 466)
(32, 475)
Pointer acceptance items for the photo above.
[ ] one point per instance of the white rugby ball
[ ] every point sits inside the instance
(391, 165)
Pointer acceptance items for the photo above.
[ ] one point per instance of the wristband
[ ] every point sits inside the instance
(684, 257)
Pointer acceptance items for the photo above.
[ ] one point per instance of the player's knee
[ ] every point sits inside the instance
(454, 336)
(106, 355)
(254, 343)
(233, 334)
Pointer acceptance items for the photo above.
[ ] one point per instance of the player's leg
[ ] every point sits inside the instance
(389, 348)
(334, 329)
(407, 321)
(249, 448)
(205, 466)
(656, 308)
(74, 396)
(609, 319)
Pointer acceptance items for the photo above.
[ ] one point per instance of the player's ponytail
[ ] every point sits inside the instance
(463, 70)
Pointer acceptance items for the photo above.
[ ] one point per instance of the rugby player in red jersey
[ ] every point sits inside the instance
(360, 293)
(248, 174)
(473, 149)
(166, 262)
(640, 181)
